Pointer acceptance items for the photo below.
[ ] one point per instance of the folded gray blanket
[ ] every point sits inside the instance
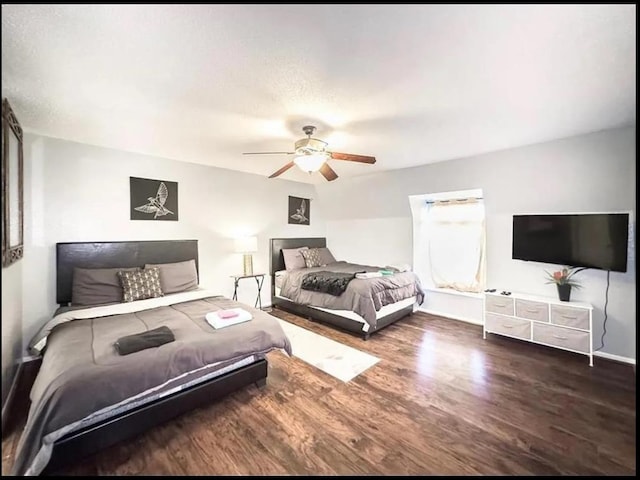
(333, 283)
(141, 341)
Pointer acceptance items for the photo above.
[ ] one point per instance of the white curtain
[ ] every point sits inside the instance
(457, 245)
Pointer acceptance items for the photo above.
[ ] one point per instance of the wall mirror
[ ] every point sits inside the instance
(12, 180)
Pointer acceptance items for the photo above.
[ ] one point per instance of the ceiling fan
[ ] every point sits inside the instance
(312, 156)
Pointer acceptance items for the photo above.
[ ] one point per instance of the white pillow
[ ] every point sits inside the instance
(293, 259)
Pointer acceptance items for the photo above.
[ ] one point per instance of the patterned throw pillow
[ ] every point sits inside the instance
(140, 284)
(312, 257)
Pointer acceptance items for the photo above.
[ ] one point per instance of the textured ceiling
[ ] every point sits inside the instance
(410, 84)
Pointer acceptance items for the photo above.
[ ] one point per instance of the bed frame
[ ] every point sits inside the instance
(89, 440)
(276, 263)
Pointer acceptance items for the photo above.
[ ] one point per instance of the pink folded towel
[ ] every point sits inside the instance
(227, 313)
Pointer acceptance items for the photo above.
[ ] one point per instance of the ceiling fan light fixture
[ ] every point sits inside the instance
(311, 156)
(311, 163)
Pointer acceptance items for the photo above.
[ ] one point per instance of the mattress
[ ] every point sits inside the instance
(383, 312)
(190, 379)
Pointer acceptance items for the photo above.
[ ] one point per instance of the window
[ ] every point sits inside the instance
(449, 240)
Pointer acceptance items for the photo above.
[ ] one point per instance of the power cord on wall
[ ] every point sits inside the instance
(604, 324)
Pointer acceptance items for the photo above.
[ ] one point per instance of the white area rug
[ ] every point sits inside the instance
(334, 358)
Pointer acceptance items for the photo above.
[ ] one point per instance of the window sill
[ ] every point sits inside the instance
(450, 291)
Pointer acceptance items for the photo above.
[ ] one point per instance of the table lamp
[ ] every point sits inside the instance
(247, 245)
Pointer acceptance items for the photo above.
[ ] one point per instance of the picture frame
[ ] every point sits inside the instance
(153, 199)
(299, 212)
(12, 187)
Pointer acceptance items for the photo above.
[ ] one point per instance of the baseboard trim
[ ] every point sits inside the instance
(6, 408)
(450, 291)
(615, 358)
(452, 317)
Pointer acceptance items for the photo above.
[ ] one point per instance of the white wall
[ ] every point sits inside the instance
(11, 323)
(368, 218)
(76, 192)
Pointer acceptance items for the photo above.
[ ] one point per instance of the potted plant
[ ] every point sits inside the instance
(564, 281)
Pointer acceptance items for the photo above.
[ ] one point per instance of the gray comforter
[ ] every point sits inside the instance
(363, 296)
(81, 372)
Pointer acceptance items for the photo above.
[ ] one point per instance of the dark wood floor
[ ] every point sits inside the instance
(441, 401)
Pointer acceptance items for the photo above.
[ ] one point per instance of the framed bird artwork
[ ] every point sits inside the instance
(153, 199)
(299, 211)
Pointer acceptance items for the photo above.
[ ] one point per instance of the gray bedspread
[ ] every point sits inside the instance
(363, 296)
(81, 372)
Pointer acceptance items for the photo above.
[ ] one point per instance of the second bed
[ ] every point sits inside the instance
(365, 307)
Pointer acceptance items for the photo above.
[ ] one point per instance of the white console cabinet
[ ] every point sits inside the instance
(543, 320)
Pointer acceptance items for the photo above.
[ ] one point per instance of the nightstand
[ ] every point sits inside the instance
(259, 281)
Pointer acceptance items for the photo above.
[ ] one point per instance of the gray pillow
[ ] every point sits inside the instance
(95, 286)
(325, 256)
(293, 259)
(177, 277)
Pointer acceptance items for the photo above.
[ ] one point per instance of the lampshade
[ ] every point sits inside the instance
(311, 163)
(246, 244)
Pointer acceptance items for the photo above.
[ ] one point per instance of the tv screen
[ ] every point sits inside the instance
(594, 240)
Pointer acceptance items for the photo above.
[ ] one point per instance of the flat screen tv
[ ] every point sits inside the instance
(591, 240)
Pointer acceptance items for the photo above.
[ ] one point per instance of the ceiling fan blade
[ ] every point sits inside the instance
(352, 158)
(268, 153)
(328, 172)
(282, 170)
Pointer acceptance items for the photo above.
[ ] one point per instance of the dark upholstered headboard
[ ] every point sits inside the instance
(276, 260)
(116, 254)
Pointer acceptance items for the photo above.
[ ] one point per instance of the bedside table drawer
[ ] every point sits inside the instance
(532, 310)
(514, 327)
(495, 304)
(570, 316)
(561, 337)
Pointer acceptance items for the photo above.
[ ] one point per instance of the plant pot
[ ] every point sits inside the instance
(564, 292)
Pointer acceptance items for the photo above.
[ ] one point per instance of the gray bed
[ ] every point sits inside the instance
(87, 397)
(364, 297)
